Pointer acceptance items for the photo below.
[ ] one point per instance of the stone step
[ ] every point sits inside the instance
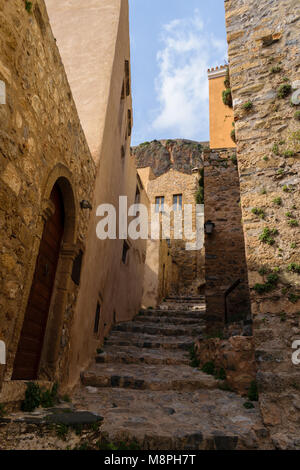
(197, 314)
(183, 320)
(148, 377)
(170, 420)
(123, 338)
(174, 298)
(161, 330)
(135, 355)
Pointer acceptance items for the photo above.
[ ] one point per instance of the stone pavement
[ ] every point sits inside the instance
(146, 391)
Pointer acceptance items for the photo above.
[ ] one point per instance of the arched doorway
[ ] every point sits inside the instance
(27, 360)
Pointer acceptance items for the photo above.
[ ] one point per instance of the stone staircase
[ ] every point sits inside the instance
(143, 386)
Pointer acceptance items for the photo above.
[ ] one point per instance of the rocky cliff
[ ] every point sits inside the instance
(162, 155)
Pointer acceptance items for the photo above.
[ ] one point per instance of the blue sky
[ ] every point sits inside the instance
(173, 43)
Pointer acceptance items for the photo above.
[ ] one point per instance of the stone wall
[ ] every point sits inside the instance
(188, 264)
(41, 142)
(225, 261)
(234, 355)
(264, 41)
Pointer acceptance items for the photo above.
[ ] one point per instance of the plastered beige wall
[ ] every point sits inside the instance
(94, 50)
(220, 116)
(86, 37)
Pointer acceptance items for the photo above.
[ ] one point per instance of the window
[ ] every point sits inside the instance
(125, 251)
(127, 77)
(122, 152)
(177, 202)
(97, 318)
(129, 122)
(76, 270)
(159, 203)
(137, 199)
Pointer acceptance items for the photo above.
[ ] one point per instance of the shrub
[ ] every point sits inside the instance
(288, 153)
(209, 368)
(259, 212)
(293, 223)
(253, 391)
(248, 105)
(293, 298)
(232, 135)
(233, 159)
(293, 245)
(263, 270)
(276, 69)
(227, 97)
(248, 405)
(193, 357)
(272, 281)
(227, 79)
(221, 374)
(28, 6)
(297, 115)
(35, 397)
(61, 431)
(284, 90)
(277, 201)
(267, 234)
(275, 149)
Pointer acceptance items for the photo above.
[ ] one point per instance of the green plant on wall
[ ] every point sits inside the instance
(248, 105)
(28, 6)
(267, 235)
(271, 284)
(284, 90)
(233, 136)
(259, 212)
(277, 201)
(294, 268)
(200, 190)
(227, 97)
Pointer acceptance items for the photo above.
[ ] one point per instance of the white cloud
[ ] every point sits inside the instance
(182, 85)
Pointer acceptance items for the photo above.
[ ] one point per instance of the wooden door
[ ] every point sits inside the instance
(29, 351)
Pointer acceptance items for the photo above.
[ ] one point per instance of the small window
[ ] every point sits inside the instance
(123, 92)
(76, 270)
(177, 202)
(97, 318)
(127, 77)
(137, 199)
(159, 203)
(125, 251)
(122, 152)
(129, 121)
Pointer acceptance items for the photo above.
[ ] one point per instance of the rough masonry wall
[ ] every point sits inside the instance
(167, 168)
(41, 139)
(225, 260)
(188, 264)
(264, 59)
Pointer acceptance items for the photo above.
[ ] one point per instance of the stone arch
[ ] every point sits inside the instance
(61, 176)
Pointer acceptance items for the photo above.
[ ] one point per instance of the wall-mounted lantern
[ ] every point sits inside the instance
(209, 227)
(85, 204)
